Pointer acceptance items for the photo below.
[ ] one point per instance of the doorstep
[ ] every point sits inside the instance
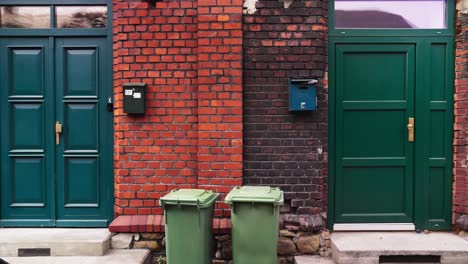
(134, 256)
(368, 247)
(54, 241)
(156, 224)
(312, 260)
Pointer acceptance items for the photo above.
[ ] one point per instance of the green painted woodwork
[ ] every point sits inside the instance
(26, 184)
(375, 97)
(33, 85)
(27, 126)
(80, 66)
(83, 192)
(44, 184)
(31, 194)
(376, 175)
(438, 113)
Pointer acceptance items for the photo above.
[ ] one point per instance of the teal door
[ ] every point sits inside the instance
(56, 134)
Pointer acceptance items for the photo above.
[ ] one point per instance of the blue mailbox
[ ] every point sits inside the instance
(302, 95)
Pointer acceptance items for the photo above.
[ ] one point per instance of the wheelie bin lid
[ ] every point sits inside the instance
(256, 194)
(190, 197)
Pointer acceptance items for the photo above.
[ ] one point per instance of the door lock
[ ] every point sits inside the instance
(110, 105)
(411, 129)
(58, 131)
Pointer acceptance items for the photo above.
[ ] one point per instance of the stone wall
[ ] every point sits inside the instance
(299, 235)
(460, 157)
(281, 148)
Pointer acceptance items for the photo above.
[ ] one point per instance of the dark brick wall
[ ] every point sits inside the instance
(460, 154)
(281, 148)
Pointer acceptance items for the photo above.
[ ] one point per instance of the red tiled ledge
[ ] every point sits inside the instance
(155, 224)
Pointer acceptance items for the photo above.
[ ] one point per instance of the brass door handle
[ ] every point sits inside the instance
(411, 129)
(58, 131)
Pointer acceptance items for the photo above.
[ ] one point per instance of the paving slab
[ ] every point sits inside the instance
(122, 256)
(60, 241)
(312, 260)
(366, 247)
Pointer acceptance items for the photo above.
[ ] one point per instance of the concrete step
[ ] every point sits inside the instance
(134, 256)
(367, 247)
(57, 241)
(312, 260)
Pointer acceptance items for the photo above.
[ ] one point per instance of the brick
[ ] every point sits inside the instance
(460, 157)
(165, 46)
(280, 148)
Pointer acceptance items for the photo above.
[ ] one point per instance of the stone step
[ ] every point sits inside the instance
(134, 256)
(312, 260)
(367, 247)
(58, 241)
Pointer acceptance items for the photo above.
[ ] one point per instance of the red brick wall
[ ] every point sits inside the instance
(281, 148)
(220, 95)
(188, 53)
(461, 119)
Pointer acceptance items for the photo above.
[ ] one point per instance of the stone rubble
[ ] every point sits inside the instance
(122, 241)
(462, 222)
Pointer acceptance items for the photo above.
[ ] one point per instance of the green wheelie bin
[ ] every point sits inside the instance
(189, 225)
(255, 221)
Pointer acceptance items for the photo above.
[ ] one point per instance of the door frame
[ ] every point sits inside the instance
(343, 36)
(51, 34)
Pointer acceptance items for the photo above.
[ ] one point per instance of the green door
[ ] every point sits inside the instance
(391, 130)
(391, 78)
(375, 87)
(50, 178)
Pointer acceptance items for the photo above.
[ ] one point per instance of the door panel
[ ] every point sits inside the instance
(375, 86)
(81, 182)
(81, 70)
(30, 170)
(83, 160)
(26, 156)
(30, 60)
(27, 126)
(378, 183)
(81, 120)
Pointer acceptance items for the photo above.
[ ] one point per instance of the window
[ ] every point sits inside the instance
(65, 17)
(24, 17)
(81, 16)
(390, 14)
